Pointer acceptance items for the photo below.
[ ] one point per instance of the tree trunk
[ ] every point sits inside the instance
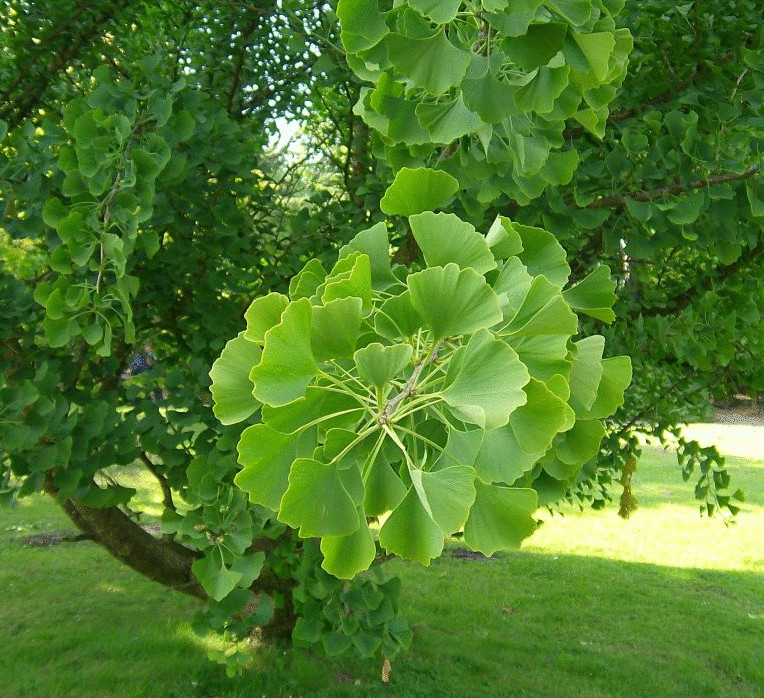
(166, 561)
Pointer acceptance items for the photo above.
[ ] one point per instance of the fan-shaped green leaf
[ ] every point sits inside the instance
(484, 382)
(217, 580)
(410, 532)
(444, 238)
(543, 355)
(346, 556)
(335, 328)
(397, 319)
(543, 312)
(593, 295)
(377, 364)
(362, 24)
(500, 458)
(453, 301)
(262, 314)
(355, 282)
(535, 423)
(231, 388)
(434, 63)
(540, 93)
(446, 495)
(266, 455)
(500, 519)
(287, 365)
(316, 501)
(333, 409)
(384, 489)
(305, 283)
(417, 190)
(375, 243)
(439, 11)
(447, 121)
(586, 372)
(537, 46)
(542, 254)
(503, 239)
(579, 444)
(491, 98)
(616, 376)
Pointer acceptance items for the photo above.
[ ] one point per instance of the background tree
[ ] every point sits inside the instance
(144, 204)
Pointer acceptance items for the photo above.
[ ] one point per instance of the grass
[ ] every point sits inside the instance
(665, 604)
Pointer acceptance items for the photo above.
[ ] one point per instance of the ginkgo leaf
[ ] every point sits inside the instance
(316, 501)
(377, 364)
(416, 190)
(287, 365)
(262, 314)
(410, 532)
(453, 301)
(500, 519)
(444, 238)
(231, 388)
(484, 382)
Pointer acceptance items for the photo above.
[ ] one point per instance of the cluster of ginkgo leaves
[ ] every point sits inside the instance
(496, 81)
(450, 398)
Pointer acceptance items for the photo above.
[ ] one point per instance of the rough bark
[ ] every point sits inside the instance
(163, 561)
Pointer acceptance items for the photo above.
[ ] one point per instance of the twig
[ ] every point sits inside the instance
(396, 400)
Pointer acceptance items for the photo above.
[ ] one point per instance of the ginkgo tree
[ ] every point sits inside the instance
(418, 315)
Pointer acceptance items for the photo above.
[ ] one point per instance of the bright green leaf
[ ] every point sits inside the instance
(231, 388)
(417, 190)
(444, 238)
(500, 519)
(453, 301)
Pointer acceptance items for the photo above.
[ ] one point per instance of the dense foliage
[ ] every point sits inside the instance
(145, 205)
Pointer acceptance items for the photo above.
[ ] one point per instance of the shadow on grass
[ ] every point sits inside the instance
(73, 622)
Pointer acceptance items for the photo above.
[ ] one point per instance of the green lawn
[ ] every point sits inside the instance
(665, 604)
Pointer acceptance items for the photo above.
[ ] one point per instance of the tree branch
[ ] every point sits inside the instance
(618, 201)
(166, 491)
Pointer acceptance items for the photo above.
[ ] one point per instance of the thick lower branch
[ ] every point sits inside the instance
(163, 561)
